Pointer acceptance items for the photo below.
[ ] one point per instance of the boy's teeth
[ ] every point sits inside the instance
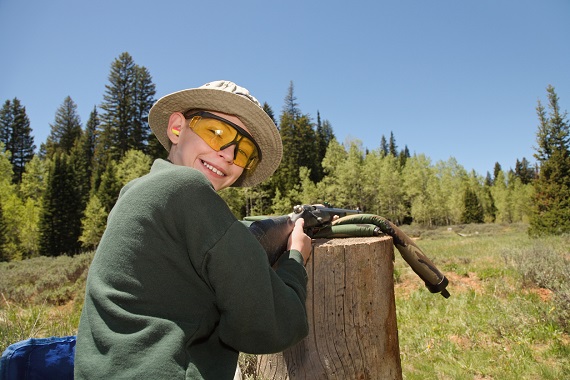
(213, 169)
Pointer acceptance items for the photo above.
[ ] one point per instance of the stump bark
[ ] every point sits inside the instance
(352, 316)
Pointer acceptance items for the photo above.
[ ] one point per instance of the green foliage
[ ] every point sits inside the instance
(505, 318)
(116, 147)
(109, 187)
(93, 223)
(44, 280)
(12, 211)
(34, 179)
(30, 228)
(235, 199)
(126, 102)
(551, 211)
(62, 210)
(306, 192)
(89, 141)
(494, 325)
(350, 192)
(545, 263)
(133, 165)
(324, 135)
(41, 297)
(298, 136)
(4, 253)
(16, 136)
(65, 130)
(473, 212)
(281, 205)
(384, 186)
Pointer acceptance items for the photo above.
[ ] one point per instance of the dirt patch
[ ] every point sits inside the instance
(461, 341)
(461, 283)
(410, 283)
(457, 284)
(407, 285)
(545, 295)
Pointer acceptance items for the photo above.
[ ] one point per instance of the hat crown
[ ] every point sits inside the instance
(231, 87)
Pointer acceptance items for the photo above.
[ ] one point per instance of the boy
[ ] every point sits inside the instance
(178, 286)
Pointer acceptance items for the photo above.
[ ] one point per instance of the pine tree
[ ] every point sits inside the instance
(118, 107)
(65, 130)
(143, 101)
(60, 224)
(324, 135)
(285, 174)
(79, 166)
(551, 206)
(109, 188)
(473, 211)
(392, 147)
(496, 169)
(404, 155)
(126, 103)
(15, 133)
(308, 153)
(298, 137)
(6, 123)
(269, 111)
(383, 146)
(524, 171)
(155, 149)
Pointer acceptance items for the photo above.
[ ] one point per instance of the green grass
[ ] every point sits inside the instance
(507, 317)
(41, 297)
(498, 323)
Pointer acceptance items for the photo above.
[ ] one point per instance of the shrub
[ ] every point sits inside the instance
(51, 280)
(546, 264)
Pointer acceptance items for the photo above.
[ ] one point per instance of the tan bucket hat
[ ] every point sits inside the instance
(227, 97)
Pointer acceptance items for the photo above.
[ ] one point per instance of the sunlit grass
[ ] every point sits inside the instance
(507, 317)
(494, 325)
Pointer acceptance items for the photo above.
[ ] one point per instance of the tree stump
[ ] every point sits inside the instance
(352, 316)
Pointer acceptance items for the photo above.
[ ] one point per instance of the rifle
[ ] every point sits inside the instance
(330, 222)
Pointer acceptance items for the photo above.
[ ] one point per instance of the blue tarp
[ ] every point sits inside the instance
(39, 358)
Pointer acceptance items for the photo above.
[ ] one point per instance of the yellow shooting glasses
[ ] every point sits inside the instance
(220, 133)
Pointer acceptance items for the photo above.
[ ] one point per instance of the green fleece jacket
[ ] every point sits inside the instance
(178, 286)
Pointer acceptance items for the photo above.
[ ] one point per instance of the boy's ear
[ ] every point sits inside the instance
(175, 124)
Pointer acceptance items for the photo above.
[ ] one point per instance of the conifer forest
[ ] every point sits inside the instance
(55, 195)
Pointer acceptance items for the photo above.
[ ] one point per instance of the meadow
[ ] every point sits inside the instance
(508, 316)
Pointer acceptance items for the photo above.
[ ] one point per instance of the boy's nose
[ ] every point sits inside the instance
(228, 153)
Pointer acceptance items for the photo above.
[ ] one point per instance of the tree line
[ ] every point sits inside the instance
(55, 200)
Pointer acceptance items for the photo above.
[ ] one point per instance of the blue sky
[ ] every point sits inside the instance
(450, 78)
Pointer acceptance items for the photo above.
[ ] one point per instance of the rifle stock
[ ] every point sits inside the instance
(273, 232)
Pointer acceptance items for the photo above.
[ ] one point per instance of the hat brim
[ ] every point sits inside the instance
(259, 124)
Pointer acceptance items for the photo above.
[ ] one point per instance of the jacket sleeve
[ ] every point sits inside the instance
(262, 310)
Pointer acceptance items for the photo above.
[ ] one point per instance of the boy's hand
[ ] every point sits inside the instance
(299, 241)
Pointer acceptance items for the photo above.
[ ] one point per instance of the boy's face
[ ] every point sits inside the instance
(188, 149)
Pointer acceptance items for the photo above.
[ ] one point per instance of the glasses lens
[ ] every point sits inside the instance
(219, 135)
(245, 151)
